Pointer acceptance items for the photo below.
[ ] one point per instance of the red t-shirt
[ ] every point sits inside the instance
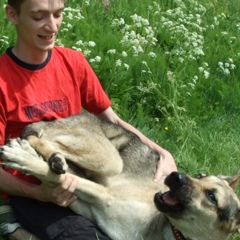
(60, 87)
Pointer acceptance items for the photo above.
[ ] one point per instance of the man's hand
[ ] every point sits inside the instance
(165, 166)
(62, 195)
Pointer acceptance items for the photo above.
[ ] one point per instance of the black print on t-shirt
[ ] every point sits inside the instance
(38, 110)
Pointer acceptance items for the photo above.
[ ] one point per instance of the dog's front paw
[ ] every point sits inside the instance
(13, 156)
(57, 163)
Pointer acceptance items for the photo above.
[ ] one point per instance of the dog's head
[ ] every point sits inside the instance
(205, 206)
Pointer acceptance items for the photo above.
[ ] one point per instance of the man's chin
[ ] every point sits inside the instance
(47, 48)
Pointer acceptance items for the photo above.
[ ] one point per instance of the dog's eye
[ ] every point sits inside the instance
(211, 197)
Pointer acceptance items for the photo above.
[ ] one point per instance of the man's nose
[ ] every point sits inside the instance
(52, 24)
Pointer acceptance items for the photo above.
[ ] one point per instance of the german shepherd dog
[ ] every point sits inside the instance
(115, 188)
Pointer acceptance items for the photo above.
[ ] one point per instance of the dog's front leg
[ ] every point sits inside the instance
(92, 194)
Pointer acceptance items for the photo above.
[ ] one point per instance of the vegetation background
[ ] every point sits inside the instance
(171, 68)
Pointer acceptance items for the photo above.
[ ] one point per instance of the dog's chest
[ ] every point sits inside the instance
(128, 217)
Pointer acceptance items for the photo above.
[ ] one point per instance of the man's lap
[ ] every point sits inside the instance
(51, 222)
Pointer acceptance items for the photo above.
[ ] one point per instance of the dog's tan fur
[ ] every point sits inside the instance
(114, 183)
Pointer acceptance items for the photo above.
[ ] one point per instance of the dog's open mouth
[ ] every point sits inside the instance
(169, 199)
(167, 202)
(172, 201)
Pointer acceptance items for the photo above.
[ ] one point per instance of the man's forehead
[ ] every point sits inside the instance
(43, 5)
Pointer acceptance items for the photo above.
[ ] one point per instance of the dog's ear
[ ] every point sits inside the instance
(232, 181)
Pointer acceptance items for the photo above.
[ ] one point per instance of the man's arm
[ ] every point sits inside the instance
(166, 165)
(61, 195)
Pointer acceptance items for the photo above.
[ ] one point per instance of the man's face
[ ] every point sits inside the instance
(38, 24)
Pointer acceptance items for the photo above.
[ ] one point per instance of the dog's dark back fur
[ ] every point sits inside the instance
(124, 141)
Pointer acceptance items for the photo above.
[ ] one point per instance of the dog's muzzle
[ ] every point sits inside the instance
(174, 200)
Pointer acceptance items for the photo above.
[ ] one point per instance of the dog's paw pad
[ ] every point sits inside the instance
(57, 164)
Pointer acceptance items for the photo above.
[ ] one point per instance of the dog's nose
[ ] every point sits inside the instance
(176, 180)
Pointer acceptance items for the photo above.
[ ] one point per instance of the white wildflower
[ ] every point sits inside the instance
(206, 74)
(98, 59)
(124, 54)
(152, 54)
(111, 51)
(87, 52)
(118, 63)
(91, 44)
(80, 42)
(226, 71)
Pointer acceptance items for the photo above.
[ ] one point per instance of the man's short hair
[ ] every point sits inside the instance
(16, 4)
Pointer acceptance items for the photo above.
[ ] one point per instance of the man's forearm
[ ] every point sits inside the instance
(16, 187)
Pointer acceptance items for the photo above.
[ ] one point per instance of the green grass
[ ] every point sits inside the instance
(170, 68)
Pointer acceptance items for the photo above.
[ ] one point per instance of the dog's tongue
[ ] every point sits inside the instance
(169, 199)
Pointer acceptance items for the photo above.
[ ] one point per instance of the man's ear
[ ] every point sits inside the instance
(12, 15)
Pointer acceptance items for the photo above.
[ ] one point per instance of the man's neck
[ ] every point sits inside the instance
(38, 57)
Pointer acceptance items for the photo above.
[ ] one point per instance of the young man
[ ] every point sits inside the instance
(39, 81)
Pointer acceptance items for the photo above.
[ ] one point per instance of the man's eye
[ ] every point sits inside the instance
(38, 18)
(58, 14)
(211, 197)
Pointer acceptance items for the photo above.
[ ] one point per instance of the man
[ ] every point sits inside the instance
(39, 81)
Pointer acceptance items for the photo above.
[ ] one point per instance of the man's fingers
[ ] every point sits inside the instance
(158, 173)
(71, 200)
(73, 184)
(65, 186)
(65, 202)
(64, 193)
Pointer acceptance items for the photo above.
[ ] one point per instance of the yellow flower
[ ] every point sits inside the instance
(166, 128)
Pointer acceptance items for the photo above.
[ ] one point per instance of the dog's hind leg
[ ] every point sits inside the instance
(48, 150)
(92, 152)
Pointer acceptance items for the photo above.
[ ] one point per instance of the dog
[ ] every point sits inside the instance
(115, 190)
